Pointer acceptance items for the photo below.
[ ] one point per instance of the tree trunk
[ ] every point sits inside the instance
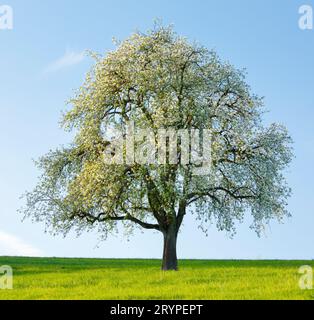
(169, 258)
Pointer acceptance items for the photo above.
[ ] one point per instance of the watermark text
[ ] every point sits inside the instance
(6, 17)
(306, 280)
(6, 277)
(306, 17)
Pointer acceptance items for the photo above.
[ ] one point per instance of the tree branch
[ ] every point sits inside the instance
(100, 218)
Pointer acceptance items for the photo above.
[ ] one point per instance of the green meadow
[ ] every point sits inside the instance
(63, 278)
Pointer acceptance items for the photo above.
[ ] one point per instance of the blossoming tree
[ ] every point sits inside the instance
(160, 80)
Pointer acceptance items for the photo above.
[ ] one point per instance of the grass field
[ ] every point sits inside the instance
(57, 278)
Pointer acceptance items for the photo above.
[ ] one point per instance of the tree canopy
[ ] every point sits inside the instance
(161, 80)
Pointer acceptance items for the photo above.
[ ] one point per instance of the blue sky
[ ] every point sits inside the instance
(41, 63)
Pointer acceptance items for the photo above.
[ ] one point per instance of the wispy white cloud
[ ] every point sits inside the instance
(69, 59)
(12, 245)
